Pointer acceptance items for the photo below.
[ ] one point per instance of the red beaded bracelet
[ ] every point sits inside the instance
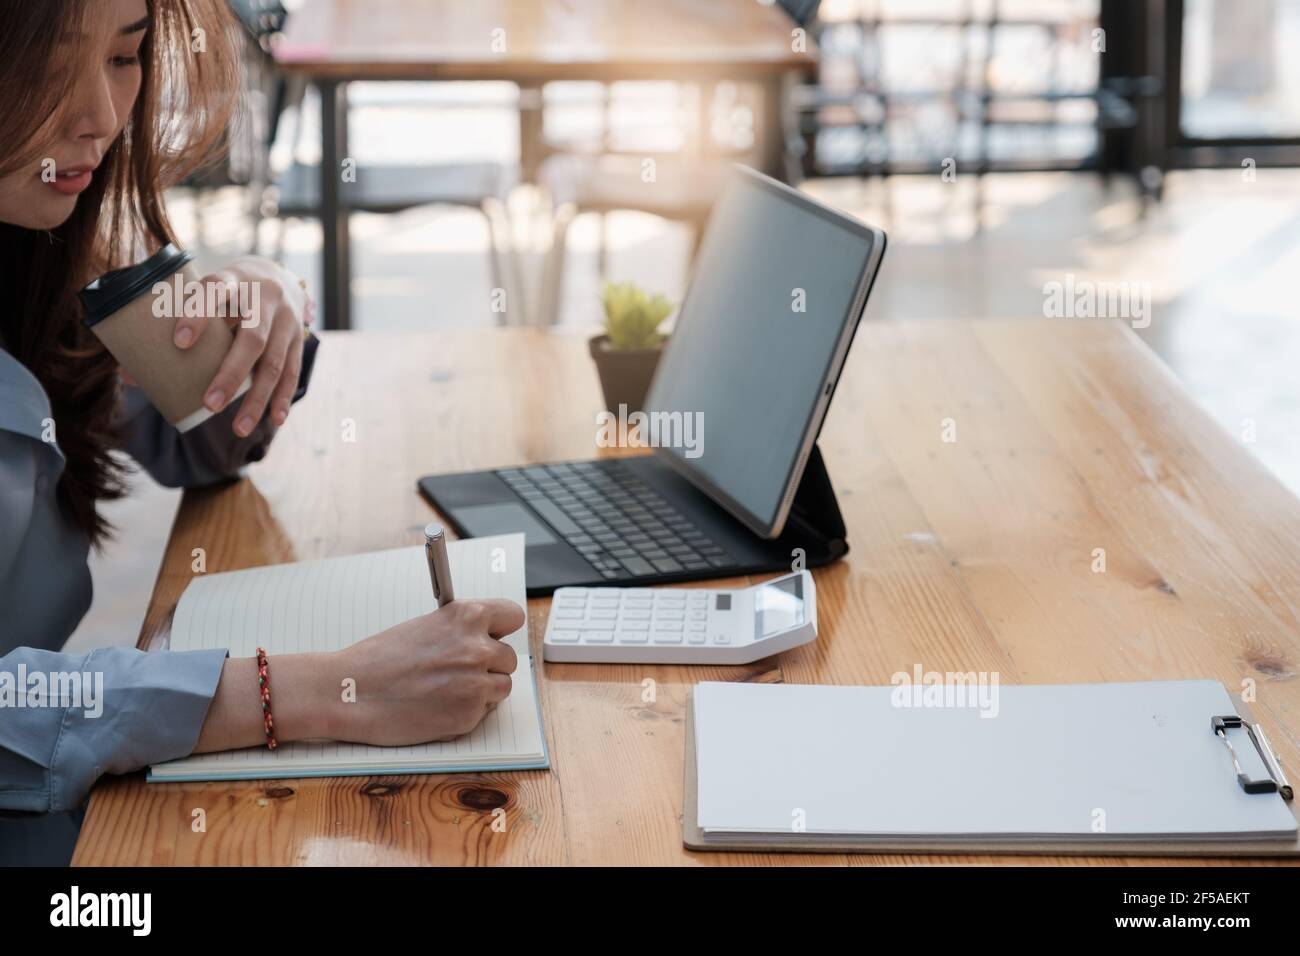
(264, 687)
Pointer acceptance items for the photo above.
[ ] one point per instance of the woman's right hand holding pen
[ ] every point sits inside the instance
(433, 677)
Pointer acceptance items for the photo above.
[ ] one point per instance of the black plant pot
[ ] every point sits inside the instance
(625, 374)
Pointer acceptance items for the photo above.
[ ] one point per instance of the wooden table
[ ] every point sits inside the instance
(975, 555)
(530, 43)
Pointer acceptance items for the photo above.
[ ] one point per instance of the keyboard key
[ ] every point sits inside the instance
(667, 637)
(635, 615)
(629, 624)
(668, 615)
(568, 613)
(638, 566)
(556, 518)
(598, 637)
(695, 637)
(565, 636)
(696, 626)
(602, 615)
(666, 565)
(633, 636)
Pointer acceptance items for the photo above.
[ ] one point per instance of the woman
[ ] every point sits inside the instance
(105, 104)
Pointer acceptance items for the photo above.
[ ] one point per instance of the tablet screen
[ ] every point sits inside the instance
(766, 310)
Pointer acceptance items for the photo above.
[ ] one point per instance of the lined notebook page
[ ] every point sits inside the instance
(328, 604)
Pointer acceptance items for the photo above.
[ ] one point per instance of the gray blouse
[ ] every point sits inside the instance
(67, 719)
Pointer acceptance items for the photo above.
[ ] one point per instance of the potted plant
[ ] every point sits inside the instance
(628, 351)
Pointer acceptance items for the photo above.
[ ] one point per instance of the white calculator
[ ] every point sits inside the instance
(681, 625)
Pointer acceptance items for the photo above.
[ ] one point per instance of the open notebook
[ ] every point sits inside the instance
(327, 604)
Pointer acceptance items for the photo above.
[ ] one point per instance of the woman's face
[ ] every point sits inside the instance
(44, 196)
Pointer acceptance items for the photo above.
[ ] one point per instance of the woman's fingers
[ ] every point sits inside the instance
(502, 658)
(282, 397)
(218, 292)
(498, 688)
(271, 368)
(250, 343)
(503, 617)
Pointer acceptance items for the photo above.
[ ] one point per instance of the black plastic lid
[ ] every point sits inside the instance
(113, 290)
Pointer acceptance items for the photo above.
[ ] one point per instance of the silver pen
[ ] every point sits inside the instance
(435, 552)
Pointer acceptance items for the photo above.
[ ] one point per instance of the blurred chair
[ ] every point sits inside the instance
(600, 173)
(382, 189)
(681, 190)
(853, 96)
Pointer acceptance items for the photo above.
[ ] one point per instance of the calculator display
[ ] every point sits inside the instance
(779, 606)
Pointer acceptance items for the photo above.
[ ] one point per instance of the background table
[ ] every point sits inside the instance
(972, 555)
(332, 42)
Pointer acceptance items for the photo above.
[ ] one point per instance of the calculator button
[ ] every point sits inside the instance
(695, 637)
(697, 626)
(635, 615)
(664, 624)
(626, 625)
(568, 613)
(602, 615)
(598, 637)
(668, 637)
(722, 638)
(564, 637)
(638, 604)
(699, 615)
(633, 637)
(665, 615)
(604, 602)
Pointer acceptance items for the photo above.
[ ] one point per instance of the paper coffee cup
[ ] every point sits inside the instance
(134, 311)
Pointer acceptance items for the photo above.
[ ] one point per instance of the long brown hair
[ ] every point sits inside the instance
(189, 75)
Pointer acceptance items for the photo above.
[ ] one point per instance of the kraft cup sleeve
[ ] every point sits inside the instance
(175, 380)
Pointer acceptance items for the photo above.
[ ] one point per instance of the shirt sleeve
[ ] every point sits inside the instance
(125, 709)
(207, 454)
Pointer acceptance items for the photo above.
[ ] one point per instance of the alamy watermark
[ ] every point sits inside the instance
(977, 690)
(684, 430)
(181, 298)
(1084, 299)
(83, 690)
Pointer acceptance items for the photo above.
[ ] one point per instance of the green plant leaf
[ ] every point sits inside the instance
(632, 317)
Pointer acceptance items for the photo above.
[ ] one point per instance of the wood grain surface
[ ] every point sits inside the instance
(967, 555)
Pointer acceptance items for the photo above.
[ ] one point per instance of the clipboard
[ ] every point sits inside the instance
(1100, 844)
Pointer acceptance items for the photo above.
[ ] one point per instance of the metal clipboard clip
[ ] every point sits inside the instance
(1276, 782)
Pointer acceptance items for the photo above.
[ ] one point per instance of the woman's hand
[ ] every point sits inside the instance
(430, 678)
(268, 343)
